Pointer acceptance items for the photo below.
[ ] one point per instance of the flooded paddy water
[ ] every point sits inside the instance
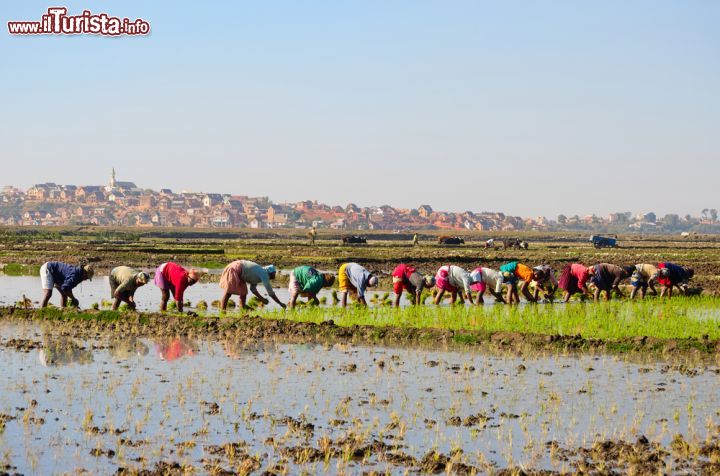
(172, 403)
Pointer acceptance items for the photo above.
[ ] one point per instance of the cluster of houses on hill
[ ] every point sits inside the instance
(125, 204)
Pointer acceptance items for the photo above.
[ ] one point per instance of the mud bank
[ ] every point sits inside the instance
(603, 457)
(92, 324)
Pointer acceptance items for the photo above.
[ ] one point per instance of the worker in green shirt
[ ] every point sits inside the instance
(124, 281)
(307, 281)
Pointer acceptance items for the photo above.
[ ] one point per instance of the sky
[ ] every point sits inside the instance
(526, 107)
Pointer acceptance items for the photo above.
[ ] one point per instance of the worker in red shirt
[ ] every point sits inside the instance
(173, 278)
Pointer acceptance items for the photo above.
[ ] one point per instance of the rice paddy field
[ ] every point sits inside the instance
(608, 388)
(23, 250)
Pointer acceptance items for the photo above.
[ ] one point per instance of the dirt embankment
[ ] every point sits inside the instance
(607, 457)
(92, 324)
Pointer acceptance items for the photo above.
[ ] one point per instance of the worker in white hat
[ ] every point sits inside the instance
(239, 274)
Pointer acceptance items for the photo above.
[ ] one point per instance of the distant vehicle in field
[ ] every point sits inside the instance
(353, 240)
(451, 240)
(603, 241)
(516, 243)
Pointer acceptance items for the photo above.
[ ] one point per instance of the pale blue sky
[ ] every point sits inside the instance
(534, 107)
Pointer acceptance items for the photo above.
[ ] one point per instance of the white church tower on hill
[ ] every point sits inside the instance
(114, 185)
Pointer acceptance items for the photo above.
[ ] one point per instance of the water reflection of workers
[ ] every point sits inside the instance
(62, 351)
(173, 348)
(128, 348)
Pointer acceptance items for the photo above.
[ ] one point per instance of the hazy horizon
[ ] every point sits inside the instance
(529, 108)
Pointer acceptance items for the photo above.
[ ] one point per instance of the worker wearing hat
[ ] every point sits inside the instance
(237, 275)
(124, 281)
(63, 277)
(173, 279)
(355, 279)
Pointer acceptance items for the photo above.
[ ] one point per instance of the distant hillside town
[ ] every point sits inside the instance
(122, 203)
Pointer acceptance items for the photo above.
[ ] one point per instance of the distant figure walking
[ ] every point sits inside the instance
(312, 234)
(172, 278)
(237, 275)
(415, 240)
(124, 281)
(63, 277)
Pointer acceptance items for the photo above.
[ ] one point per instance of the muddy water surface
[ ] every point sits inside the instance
(101, 405)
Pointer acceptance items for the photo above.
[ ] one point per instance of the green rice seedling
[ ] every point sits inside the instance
(686, 317)
(202, 305)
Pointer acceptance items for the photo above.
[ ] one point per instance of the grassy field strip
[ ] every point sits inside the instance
(695, 317)
(678, 318)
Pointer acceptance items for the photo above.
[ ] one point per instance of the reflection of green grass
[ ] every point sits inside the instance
(211, 264)
(17, 269)
(464, 339)
(55, 313)
(666, 319)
